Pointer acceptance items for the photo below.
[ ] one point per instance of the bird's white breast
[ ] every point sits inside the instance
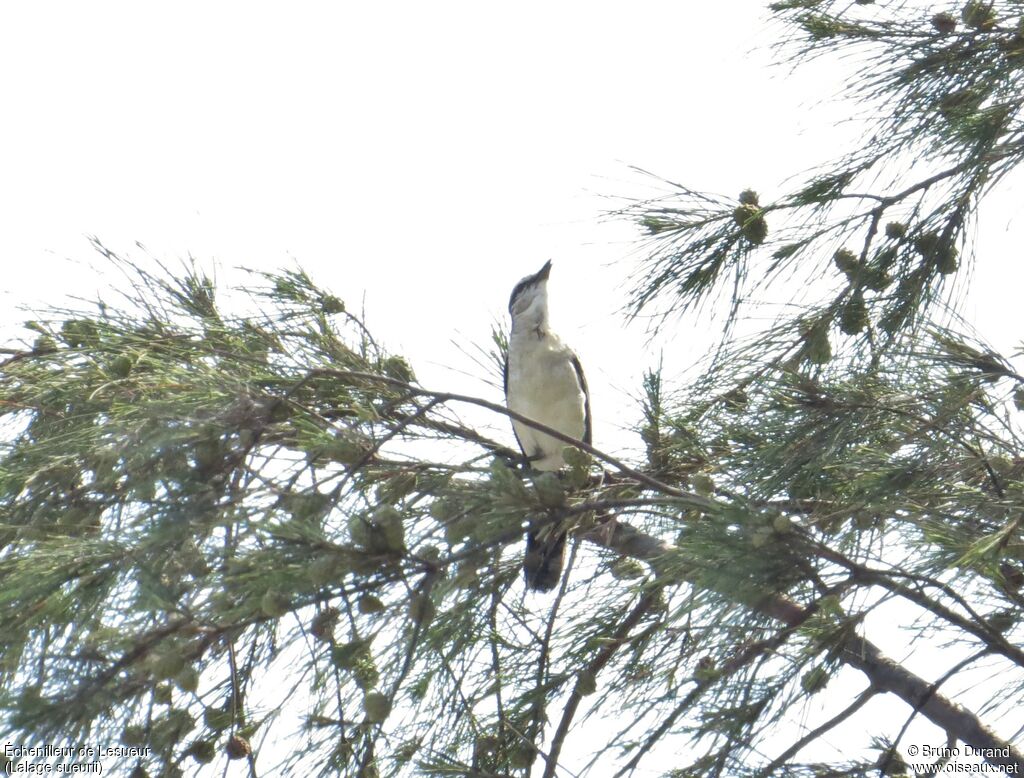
(543, 385)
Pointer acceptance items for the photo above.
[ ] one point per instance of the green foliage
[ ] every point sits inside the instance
(944, 107)
(855, 422)
(233, 502)
(214, 516)
(176, 480)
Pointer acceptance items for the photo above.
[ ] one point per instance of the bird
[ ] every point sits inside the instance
(544, 381)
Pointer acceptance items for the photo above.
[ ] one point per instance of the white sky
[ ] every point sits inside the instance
(426, 155)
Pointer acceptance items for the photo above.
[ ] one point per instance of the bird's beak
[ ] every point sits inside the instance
(544, 272)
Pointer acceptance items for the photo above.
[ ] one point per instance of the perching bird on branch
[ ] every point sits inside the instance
(544, 382)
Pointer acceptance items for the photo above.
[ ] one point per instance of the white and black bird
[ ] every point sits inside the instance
(544, 382)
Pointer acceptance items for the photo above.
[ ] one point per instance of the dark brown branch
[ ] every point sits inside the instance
(885, 674)
(990, 637)
(888, 757)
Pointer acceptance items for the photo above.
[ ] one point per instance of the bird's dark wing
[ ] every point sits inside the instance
(505, 379)
(587, 428)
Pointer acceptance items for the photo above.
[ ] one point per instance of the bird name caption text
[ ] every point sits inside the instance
(64, 760)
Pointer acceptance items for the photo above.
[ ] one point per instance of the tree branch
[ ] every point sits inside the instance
(646, 480)
(990, 637)
(885, 674)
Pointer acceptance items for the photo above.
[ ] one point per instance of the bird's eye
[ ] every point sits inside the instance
(518, 298)
(521, 301)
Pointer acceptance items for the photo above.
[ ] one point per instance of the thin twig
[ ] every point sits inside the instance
(603, 657)
(818, 731)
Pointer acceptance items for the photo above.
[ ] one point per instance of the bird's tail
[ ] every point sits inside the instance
(542, 566)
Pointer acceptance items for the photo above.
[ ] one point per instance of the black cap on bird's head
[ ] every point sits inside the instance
(529, 282)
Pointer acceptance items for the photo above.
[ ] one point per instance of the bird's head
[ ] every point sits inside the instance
(529, 298)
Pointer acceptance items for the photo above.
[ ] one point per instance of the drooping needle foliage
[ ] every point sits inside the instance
(236, 531)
